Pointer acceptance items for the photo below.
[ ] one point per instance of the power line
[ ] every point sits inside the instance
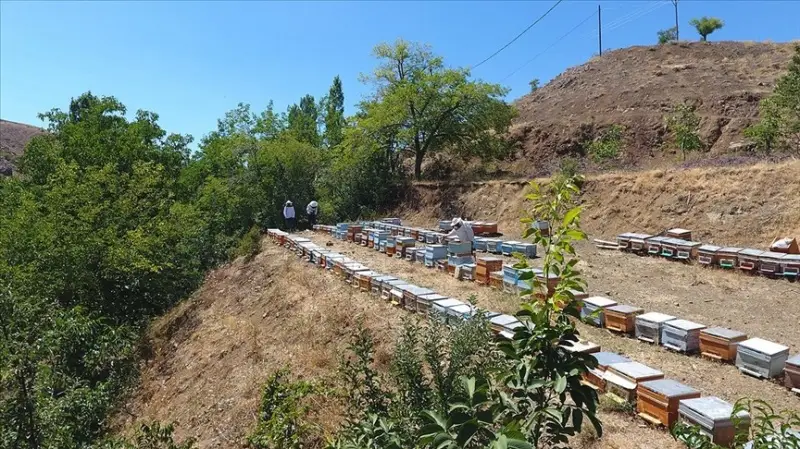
(550, 46)
(636, 17)
(518, 35)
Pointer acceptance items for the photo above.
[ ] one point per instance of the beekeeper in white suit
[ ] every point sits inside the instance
(311, 211)
(461, 230)
(288, 215)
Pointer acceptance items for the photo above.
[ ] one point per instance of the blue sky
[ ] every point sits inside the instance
(192, 61)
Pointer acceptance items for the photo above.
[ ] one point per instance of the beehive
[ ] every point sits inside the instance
(493, 246)
(583, 347)
(434, 253)
(790, 266)
(623, 378)
(655, 245)
(507, 248)
(681, 335)
(445, 225)
(713, 416)
(680, 233)
(364, 280)
(460, 312)
(526, 249)
(425, 302)
(729, 257)
(708, 255)
(466, 272)
(486, 265)
(761, 358)
(390, 245)
(749, 260)
(398, 294)
(624, 241)
(596, 303)
(720, 344)
(376, 283)
(496, 279)
(638, 243)
(621, 318)
(479, 244)
(687, 250)
(392, 220)
(454, 261)
(439, 308)
(594, 377)
(657, 400)
(504, 324)
(432, 237)
(459, 248)
(411, 295)
(388, 286)
(669, 247)
(649, 325)
(411, 254)
(769, 263)
(350, 271)
(792, 374)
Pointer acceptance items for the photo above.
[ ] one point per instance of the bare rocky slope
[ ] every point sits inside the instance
(635, 87)
(13, 138)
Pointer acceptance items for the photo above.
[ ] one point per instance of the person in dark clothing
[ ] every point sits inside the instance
(311, 210)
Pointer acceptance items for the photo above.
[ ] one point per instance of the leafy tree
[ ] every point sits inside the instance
(608, 145)
(302, 121)
(684, 124)
(534, 83)
(421, 106)
(706, 26)
(667, 35)
(334, 114)
(767, 131)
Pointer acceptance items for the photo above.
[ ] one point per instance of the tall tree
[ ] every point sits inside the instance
(426, 107)
(706, 26)
(302, 121)
(334, 114)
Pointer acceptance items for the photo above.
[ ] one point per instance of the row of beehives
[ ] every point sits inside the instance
(658, 400)
(768, 263)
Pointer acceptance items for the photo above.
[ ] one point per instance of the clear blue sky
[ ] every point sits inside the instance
(192, 61)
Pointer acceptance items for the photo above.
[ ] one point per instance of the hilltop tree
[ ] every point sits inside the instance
(706, 26)
(684, 125)
(668, 35)
(420, 106)
(534, 83)
(302, 121)
(334, 114)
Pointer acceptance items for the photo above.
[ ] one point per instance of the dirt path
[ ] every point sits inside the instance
(710, 377)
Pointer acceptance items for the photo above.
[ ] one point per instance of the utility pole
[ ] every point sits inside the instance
(600, 30)
(677, 35)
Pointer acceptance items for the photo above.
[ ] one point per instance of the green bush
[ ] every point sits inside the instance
(249, 244)
(282, 422)
(608, 145)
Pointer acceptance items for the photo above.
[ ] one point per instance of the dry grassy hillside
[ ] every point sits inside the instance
(744, 205)
(634, 87)
(13, 138)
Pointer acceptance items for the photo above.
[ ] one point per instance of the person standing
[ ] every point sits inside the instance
(288, 216)
(463, 232)
(311, 210)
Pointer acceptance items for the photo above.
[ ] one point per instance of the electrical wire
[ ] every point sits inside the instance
(549, 47)
(518, 36)
(636, 17)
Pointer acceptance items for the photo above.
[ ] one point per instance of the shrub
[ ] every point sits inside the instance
(608, 145)
(684, 124)
(668, 35)
(249, 245)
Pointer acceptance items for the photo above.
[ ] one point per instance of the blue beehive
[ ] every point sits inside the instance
(431, 237)
(454, 261)
(445, 225)
(458, 248)
(508, 247)
(479, 244)
(528, 249)
(493, 246)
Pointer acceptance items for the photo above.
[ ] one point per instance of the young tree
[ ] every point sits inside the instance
(779, 124)
(534, 83)
(668, 35)
(425, 107)
(706, 26)
(302, 121)
(334, 114)
(684, 125)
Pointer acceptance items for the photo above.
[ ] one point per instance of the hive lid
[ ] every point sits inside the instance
(728, 334)
(626, 235)
(669, 387)
(432, 297)
(581, 346)
(771, 255)
(435, 246)
(685, 325)
(635, 370)
(679, 231)
(751, 252)
(794, 360)
(512, 242)
(658, 239)
(791, 258)
(625, 309)
(462, 309)
(614, 378)
(764, 346)
(445, 303)
(503, 320)
(406, 287)
(711, 407)
(655, 317)
(636, 236)
(369, 274)
(688, 243)
(600, 301)
(730, 249)
(608, 358)
(396, 283)
(710, 248)
(419, 291)
(489, 259)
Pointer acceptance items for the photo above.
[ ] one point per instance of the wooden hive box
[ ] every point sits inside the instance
(496, 279)
(425, 302)
(624, 241)
(748, 260)
(583, 347)
(621, 318)
(594, 377)
(350, 271)
(769, 264)
(364, 280)
(388, 286)
(657, 400)
(485, 266)
(439, 308)
(729, 257)
(687, 250)
(792, 374)
(411, 254)
(411, 294)
(713, 416)
(398, 294)
(507, 248)
(655, 245)
(622, 379)
(527, 249)
(720, 344)
(649, 325)
(790, 266)
(638, 243)
(390, 245)
(680, 233)
(479, 244)
(466, 272)
(504, 325)
(432, 237)
(761, 358)
(681, 335)
(455, 248)
(578, 295)
(669, 247)
(493, 246)
(376, 284)
(459, 313)
(595, 303)
(708, 255)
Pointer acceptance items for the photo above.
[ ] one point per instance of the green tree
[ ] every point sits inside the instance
(534, 83)
(302, 121)
(706, 26)
(684, 124)
(420, 106)
(334, 114)
(779, 124)
(667, 35)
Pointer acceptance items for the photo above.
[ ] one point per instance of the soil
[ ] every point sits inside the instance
(13, 138)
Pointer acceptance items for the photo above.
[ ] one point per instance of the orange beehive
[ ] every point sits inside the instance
(594, 377)
(622, 318)
(720, 344)
(792, 374)
(657, 400)
(485, 266)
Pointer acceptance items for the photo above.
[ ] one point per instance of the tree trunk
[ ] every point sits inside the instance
(418, 164)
